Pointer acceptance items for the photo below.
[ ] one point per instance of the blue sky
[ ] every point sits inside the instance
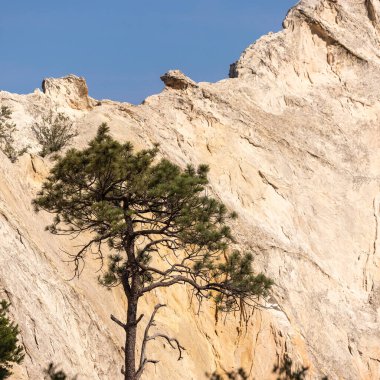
(122, 47)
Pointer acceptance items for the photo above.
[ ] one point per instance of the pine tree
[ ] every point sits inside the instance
(10, 350)
(160, 226)
(54, 132)
(240, 374)
(7, 131)
(52, 373)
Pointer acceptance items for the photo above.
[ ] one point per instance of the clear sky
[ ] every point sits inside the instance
(122, 47)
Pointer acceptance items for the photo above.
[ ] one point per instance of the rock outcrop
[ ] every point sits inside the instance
(177, 80)
(293, 143)
(71, 91)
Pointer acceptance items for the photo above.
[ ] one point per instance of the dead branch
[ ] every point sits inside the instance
(173, 342)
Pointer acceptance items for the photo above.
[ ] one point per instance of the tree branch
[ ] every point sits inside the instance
(124, 325)
(152, 244)
(174, 343)
(170, 341)
(117, 321)
(79, 255)
(146, 335)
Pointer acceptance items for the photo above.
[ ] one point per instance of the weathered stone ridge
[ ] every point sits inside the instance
(293, 143)
(72, 91)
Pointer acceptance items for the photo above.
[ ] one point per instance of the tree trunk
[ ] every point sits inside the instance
(131, 283)
(130, 341)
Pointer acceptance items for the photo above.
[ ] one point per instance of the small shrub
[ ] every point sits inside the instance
(285, 371)
(10, 351)
(52, 373)
(7, 130)
(54, 132)
(238, 375)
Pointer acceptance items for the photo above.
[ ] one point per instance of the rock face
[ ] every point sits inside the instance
(70, 91)
(177, 80)
(293, 143)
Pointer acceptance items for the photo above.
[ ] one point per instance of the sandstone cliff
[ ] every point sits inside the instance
(293, 142)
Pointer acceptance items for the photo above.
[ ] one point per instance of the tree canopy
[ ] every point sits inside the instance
(10, 350)
(159, 223)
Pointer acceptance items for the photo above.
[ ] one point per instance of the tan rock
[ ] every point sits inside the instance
(71, 91)
(293, 143)
(177, 80)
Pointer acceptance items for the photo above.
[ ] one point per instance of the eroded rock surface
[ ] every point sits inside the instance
(177, 80)
(70, 91)
(293, 143)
